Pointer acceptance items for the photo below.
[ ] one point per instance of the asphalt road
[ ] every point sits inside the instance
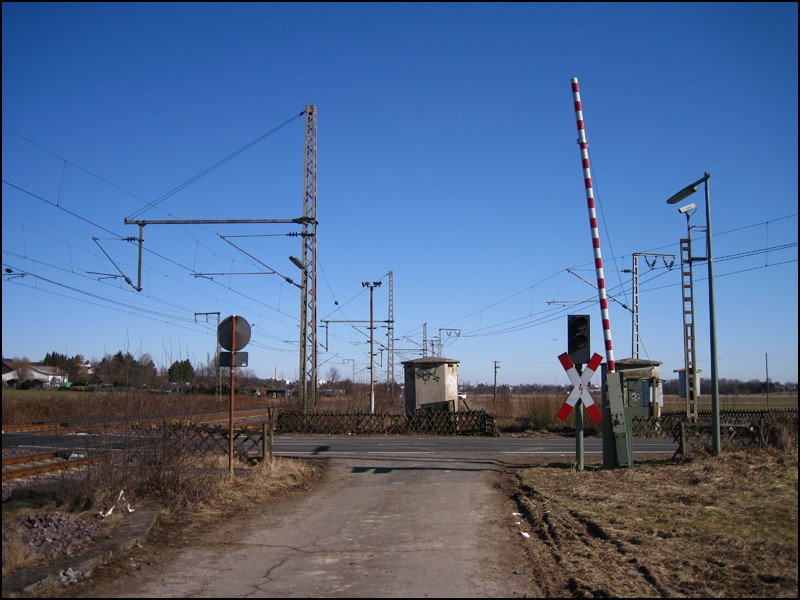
(353, 446)
(497, 447)
(377, 527)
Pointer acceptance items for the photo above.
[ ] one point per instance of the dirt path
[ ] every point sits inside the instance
(420, 527)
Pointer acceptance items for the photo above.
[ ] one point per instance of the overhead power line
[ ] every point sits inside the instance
(216, 165)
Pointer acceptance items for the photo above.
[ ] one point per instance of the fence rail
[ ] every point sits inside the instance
(420, 422)
(253, 440)
(250, 441)
(739, 428)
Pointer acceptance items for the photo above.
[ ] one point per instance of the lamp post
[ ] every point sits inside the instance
(303, 332)
(371, 287)
(685, 193)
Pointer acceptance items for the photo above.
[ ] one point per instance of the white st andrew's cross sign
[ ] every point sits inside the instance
(581, 389)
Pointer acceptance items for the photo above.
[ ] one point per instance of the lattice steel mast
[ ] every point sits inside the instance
(308, 301)
(390, 334)
(689, 343)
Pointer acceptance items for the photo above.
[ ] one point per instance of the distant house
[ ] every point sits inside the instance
(48, 376)
(7, 366)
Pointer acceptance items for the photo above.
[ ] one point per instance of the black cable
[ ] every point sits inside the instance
(219, 163)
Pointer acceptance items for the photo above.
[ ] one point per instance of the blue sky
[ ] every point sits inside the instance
(447, 155)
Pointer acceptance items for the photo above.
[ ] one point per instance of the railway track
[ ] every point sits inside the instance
(241, 417)
(31, 465)
(34, 465)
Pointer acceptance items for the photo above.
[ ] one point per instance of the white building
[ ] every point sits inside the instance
(49, 376)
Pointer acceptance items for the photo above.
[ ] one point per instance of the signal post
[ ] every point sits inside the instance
(578, 345)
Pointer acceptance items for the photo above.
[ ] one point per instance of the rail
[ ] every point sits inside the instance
(33, 465)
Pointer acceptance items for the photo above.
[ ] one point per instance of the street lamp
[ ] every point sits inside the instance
(303, 331)
(685, 193)
(371, 287)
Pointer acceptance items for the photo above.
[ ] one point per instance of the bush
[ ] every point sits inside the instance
(781, 431)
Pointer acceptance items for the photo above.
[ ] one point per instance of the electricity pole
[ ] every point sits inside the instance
(307, 263)
(308, 352)
(390, 337)
(371, 287)
(496, 366)
(217, 368)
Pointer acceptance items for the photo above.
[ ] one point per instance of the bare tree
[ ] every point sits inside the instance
(333, 375)
(23, 368)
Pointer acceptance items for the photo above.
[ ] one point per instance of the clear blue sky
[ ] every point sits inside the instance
(446, 154)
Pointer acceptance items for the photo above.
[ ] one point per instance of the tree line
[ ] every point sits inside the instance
(124, 370)
(670, 387)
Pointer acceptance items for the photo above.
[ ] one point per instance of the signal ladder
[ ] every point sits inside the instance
(688, 329)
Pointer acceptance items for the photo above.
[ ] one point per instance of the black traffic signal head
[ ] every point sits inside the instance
(578, 339)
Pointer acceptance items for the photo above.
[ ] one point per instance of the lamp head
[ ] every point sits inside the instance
(684, 193)
(689, 190)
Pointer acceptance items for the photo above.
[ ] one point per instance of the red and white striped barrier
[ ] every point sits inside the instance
(581, 389)
(598, 259)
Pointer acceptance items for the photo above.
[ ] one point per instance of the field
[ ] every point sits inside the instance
(707, 527)
(526, 411)
(523, 412)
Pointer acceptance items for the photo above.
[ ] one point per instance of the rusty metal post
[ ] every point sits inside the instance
(263, 441)
(271, 443)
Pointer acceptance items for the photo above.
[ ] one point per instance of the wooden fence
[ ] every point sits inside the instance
(666, 425)
(739, 428)
(253, 441)
(478, 423)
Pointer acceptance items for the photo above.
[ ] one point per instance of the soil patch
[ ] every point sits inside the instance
(721, 526)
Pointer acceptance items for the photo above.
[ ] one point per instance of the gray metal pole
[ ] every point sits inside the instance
(494, 396)
(635, 311)
(579, 429)
(766, 363)
(715, 426)
(231, 411)
(303, 343)
(371, 353)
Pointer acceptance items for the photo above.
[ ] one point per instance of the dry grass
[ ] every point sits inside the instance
(150, 467)
(710, 527)
(224, 497)
(178, 480)
(202, 497)
(17, 555)
(44, 406)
